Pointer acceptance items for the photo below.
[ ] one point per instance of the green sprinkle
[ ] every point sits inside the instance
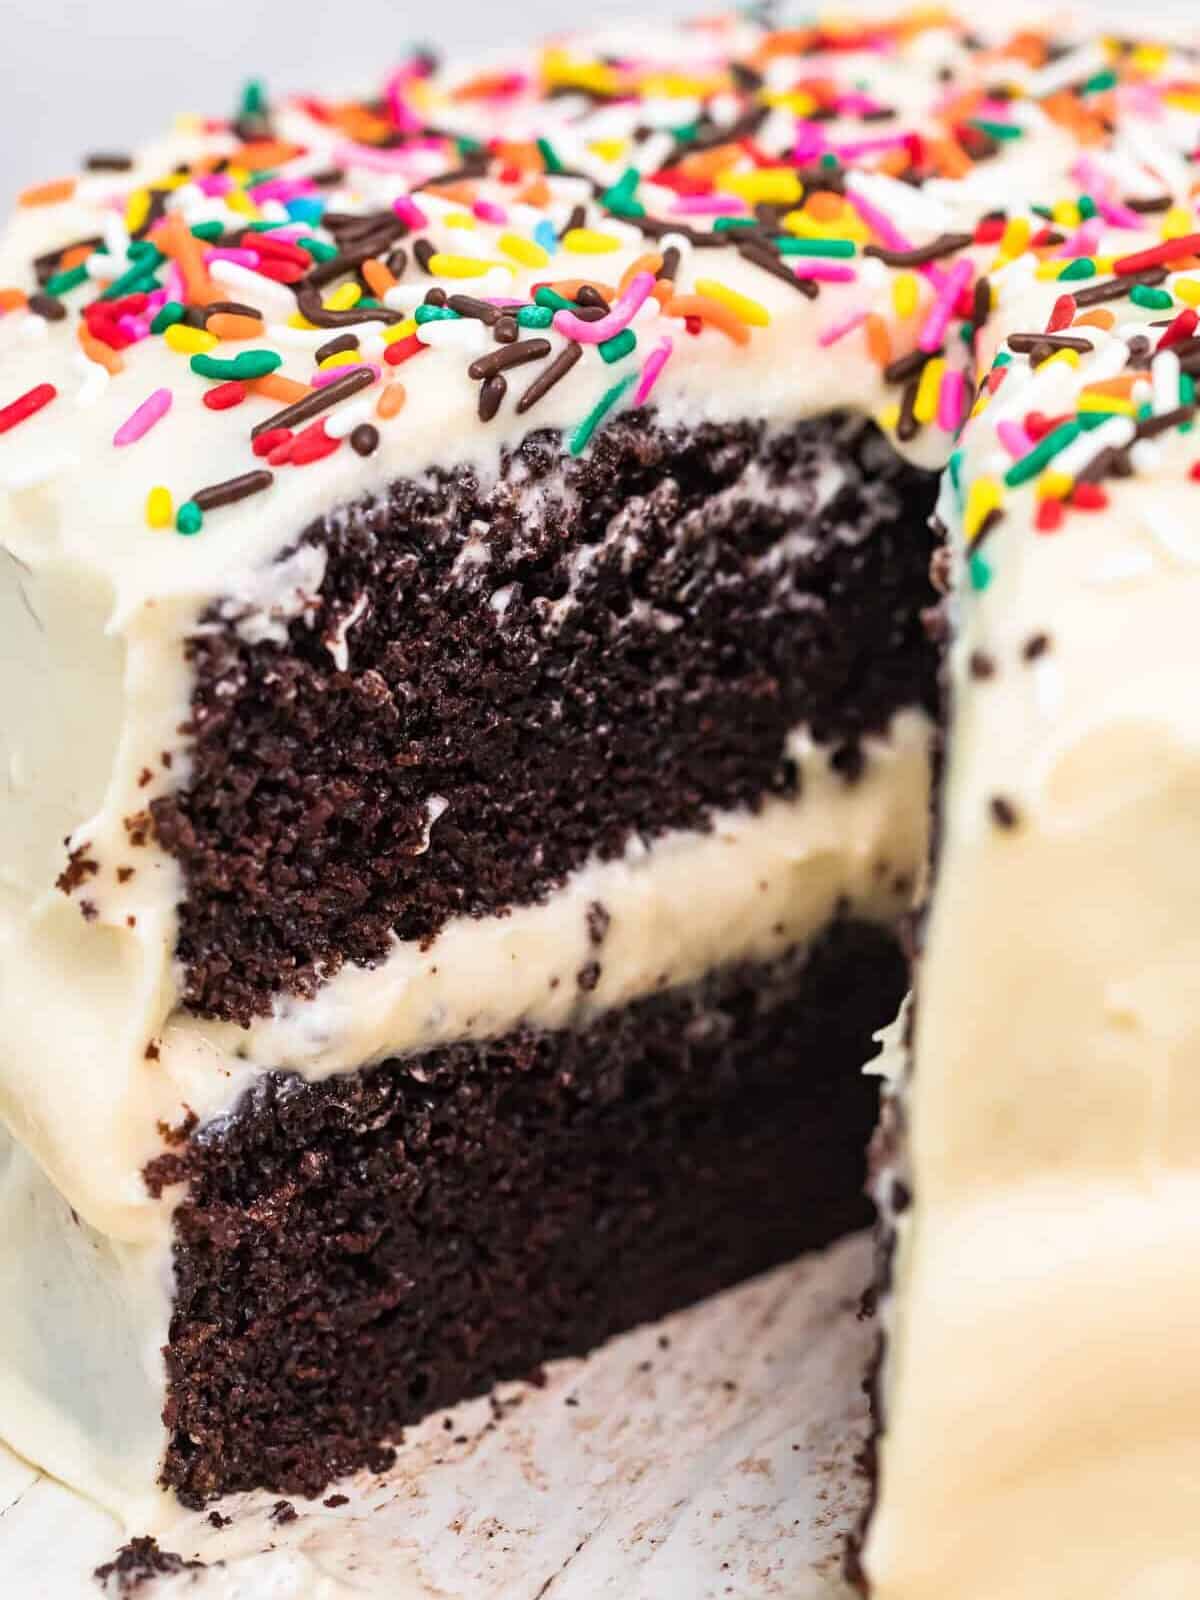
(246, 365)
(141, 277)
(728, 224)
(954, 467)
(621, 197)
(618, 346)
(434, 314)
(1088, 420)
(1151, 299)
(318, 249)
(1087, 207)
(534, 317)
(1106, 79)
(167, 317)
(841, 248)
(1187, 397)
(583, 433)
(62, 282)
(685, 132)
(980, 570)
(144, 250)
(550, 157)
(467, 146)
(208, 231)
(253, 102)
(1084, 267)
(189, 518)
(997, 130)
(1003, 359)
(1042, 454)
(553, 301)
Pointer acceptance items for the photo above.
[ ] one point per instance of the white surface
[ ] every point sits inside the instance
(722, 1466)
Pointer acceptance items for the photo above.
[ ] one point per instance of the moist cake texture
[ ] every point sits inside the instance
(468, 662)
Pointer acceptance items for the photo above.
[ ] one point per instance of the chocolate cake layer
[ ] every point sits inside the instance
(497, 681)
(353, 1254)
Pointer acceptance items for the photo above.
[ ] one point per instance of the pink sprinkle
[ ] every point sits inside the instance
(709, 205)
(1118, 215)
(409, 211)
(621, 315)
(856, 149)
(134, 327)
(151, 410)
(489, 211)
(810, 141)
(823, 270)
(934, 331)
(282, 189)
(839, 330)
(655, 362)
(332, 374)
(856, 104)
(367, 158)
(950, 401)
(174, 284)
(1085, 241)
(214, 183)
(241, 258)
(1014, 439)
(880, 224)
(401, 113)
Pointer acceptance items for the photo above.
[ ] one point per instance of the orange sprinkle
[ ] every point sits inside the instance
(535, 193)
(231, 325)
(359, 124)
(378, 277)
(708, 163)
(277, 387)
(259, 154)
(459, 194)
(175, 239)
(391, 400)
(823, 207)
(647, 263)
(710, 311)
(569, 287)
(97, 350)
(524, 156)
(1101, 317)
(1120, 388)
(47, 194)
(12, 300)
(879, 340)
(949, 157)
(786, 42)
(75, 256)
(1027, 46)
(482, 85)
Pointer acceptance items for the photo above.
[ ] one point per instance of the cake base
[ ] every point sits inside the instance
(354, 1254)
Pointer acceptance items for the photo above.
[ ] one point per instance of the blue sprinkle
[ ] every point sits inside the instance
(545, 235)
(305, 208)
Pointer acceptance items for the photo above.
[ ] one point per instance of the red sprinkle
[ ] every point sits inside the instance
(1195, 473)
(1063, 314)
(225, 395)
(401, 349)
(271, 440)
(1182, 328)
(1158, 255)
(1050, 516)
(25, 405)
(282, 271)
(1089, 497)
(990, 231)
(313, 444)
(1038, 424)
(282, 249)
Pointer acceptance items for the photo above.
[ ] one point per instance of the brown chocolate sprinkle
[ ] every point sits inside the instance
(1004, 813)
(760, 255)
(491, 393)
(1035, 646)
(946, 244)
(313, 404)
(334, 347)
(1026, 343)
(670, 263)
(233, 489)
(981, 666)
(364, 440)
(107, 161)
(468, 306)
(511, 355)
(908, 427)
(232, 308)
(1096, 294)
(909, 366)
(310, 304)
(45, 305)
(1147, 208)
(423, 252)
(1167, 422)
(590, 298)
(549, 376)
(506, 330)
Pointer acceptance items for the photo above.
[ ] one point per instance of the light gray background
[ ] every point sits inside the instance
(79, 75)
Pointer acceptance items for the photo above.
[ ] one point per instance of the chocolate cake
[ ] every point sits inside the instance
(492, 577)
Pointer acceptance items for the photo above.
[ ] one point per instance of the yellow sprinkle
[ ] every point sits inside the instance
(399, 330)
(1049, 271)
(675, 86)
(1185, 100)
(343, 298)
(798, 101)
(137, 209)
(1108, 403)
(238, 175)
(926, 403)
(741, 305)
(984, 496)
(1177, 223)
(160, 511)
(1066, 358)
(589, 242)
(1054, 485)
(608, 149)
(769, 186)
(297, 321)
(1015, 239)
(1188, 290)
(906, 293)
(561, 72)
(1066, 214)
(238, 200)
(889, 418)
(1104, 264)
(442, 265)
(342, 358)
(190, 341)
(1149, 58)
(527, 251)
(459, 219)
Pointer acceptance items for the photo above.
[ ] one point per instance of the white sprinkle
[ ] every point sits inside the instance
(95, 382)
(1073, 68)
(1117, 433)
(269, 296)
(1146, 457)
(464, 334)
(345, 419)
(404, 296)
(1167, 372)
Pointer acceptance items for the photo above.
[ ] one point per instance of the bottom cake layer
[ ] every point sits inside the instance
(354, 1254)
